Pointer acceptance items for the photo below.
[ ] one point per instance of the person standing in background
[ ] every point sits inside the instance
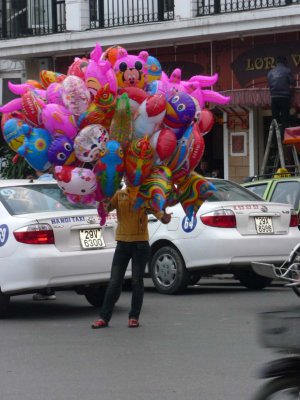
(281, 83)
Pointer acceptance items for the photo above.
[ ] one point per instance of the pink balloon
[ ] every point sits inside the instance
(98, 74)
(54, 93)
(59, 121)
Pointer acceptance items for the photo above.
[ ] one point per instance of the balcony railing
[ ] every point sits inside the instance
(113, 13)
(21, 18)
(212, 7)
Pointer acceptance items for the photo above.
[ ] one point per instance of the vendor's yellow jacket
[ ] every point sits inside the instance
(132, 224)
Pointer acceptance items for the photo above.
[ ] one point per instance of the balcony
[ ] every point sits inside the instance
(213, 7)
(23, 18)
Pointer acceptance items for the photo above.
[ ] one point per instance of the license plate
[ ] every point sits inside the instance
(91, 238)
(264, 225)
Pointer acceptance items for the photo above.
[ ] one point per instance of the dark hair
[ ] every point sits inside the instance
(281, 60)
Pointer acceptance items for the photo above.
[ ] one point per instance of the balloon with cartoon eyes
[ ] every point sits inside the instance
(88, 144)
(181, 110)
(61, 151)
(131, 70)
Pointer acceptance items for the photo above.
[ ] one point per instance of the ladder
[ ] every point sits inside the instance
(279, 160)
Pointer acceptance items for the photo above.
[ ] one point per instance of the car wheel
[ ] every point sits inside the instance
(168, 271)
(4, 303)
(194, 277)
(251, 280)
(95, 295)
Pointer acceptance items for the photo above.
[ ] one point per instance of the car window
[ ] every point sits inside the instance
(287, 192)
(229, 191)
(258, 189)
(36, 198)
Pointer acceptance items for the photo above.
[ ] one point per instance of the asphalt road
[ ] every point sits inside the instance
(202, 345)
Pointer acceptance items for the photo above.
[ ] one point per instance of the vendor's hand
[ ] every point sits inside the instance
(166, 218)
(106, 204)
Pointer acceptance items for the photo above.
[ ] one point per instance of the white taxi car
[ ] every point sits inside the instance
(232, 229)
(47, 242)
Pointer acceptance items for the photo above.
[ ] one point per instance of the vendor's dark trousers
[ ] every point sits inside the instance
(281, 112)
(139, 253)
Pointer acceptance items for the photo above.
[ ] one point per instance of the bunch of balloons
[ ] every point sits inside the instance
(112, 115)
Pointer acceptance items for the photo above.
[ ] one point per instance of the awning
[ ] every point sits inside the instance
(258, 97)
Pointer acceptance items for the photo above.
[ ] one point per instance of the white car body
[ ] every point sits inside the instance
(26, 268)
(206, 249)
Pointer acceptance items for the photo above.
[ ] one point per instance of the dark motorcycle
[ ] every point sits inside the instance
(280, 330)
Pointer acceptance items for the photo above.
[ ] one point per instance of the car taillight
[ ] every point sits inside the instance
(35, 234)
(294, 221)
(219, 219)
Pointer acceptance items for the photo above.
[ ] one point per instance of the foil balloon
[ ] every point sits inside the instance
(30, 104)
(88, 143)
(193, 191)
(54, 94)
(78, 184)
(10, 115)
(61, 151)
(164, 143)
(35, 148)
(75, 95)
(206, 121)
(121, 123)
(109, 172)
(48, 77)
(157, 87)
(149, 115)
(154, 190)
(131, 70)
(136, 97)
(14, 132)
(180, 157)
(58, 120)
(110, 168)
(138, 161)
(78, 67)
(101, 110)
(180, 113)
(113, 53)
(194, 145)
(154, 69)
(98, 74)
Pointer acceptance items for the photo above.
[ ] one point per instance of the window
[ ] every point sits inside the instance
(287, 192)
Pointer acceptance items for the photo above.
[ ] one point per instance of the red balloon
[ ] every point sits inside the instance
(164, 142)
(206, 122)
(198, 147)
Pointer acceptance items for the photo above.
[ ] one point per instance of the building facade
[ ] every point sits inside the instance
(237, 39)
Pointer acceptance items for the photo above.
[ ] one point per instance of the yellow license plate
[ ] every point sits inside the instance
(91, 238)
(264, 225)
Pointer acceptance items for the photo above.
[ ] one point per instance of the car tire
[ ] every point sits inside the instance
(194, 277)
(168, 271)
(95, 295)
(4, 303)
(251, 280)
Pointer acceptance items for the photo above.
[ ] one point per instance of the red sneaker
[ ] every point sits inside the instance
(99, 323)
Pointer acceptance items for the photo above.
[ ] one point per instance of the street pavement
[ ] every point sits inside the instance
(202, 344)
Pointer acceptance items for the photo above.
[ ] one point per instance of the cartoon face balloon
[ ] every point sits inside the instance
(88, 142)
(98, 74)
(75, 180)
(180, 112)
(131, 70)
(78, 67)
(61, 151)
(149, 115)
